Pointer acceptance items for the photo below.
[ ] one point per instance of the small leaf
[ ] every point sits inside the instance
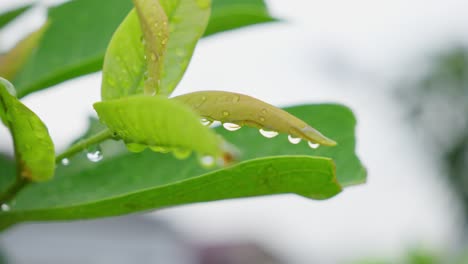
(135, 53)
(125, 67)
(234, 108)
(159, 123)
(34, 149)
(9, 16)
(12, 61)
(187, 23)
(228, 14)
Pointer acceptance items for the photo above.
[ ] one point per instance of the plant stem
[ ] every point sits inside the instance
(17, 186)
(21, 182)
(84, 144)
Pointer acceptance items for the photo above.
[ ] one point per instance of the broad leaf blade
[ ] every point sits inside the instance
(78, 37)
(101, 189)
(34, 150)
(9, 16)
(308, 176)
(158, 122)
(227, 15)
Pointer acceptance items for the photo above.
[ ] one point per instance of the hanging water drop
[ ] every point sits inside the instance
(135, 147)
(160, 149)
(181, 153)
(268, 134)
(95, 155)
(294, 140)
(207, 161)
(231, 126)
(5, 207)
(65, 162)
(206, 121)
(313, 145)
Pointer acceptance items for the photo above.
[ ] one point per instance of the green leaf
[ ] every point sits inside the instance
(187, 22)
(228, 14)
(130, 182)
(125, 66)
(158, 122)
(77, 40)
(8, 16)
(34, 149)
(7, 172)
(12, 61)
(238, 109)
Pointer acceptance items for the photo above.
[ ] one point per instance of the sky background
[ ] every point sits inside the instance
(349, 52)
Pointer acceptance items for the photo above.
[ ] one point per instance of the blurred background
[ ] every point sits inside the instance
(402, 66)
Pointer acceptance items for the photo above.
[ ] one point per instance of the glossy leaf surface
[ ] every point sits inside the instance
(34, 149)
(158, 122)
(126, 182)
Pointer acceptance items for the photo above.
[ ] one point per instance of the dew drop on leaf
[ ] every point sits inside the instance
(225, 113)
(207, 161)
(294, 140)
(268, 134)
(95, 156)
(181, 153)
(231, 126)
(313, 145)
(160, 149)
(135, 147)
(65, 162)
(5, 207)
(205, 121)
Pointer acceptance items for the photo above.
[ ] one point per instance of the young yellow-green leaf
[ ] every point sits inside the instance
(187, 23)
(135, 52)
(12, 61)
(34, 150)
(158, 122)
(155, 29)
(239, 109)
(167, 57)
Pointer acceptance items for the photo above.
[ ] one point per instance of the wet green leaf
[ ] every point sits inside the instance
(80, 30)
(243, 110)
(150, 58)
(127, 182)
(10, 15)
(158, 122)
(34, 150)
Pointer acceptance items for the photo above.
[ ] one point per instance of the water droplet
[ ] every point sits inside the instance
(235, 99)
(313, 145)
(153, 57)
(294, 140)
(160, 34)
(5, 207)
(160, 149)
(65, 162)
(262, 119)
(181, 153)
(206, 121)
(164, 41)
(180, 52)
(207, 161)
(96, 155)
(231, 126)
(267, 133)
(135, 147)
(264, 111)
(225, 113)
(156, 24)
